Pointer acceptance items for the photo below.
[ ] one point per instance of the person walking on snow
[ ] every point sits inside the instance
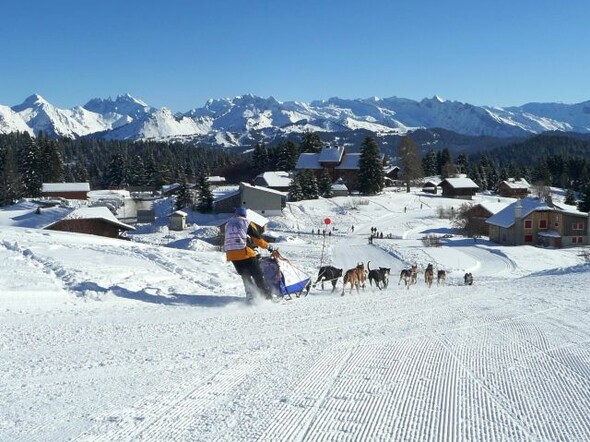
(241, 238)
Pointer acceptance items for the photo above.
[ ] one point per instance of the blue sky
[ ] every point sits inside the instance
(180, 53)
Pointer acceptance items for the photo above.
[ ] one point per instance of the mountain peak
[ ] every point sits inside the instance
(34, 100)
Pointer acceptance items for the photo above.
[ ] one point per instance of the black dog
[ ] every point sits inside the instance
(328, 273)
(468, 278)
(380, 276)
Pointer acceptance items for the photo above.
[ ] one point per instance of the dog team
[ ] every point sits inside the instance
(358, 276)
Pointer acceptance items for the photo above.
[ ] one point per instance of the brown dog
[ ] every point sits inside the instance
(409, 276)
(356, 277)
(429, 275)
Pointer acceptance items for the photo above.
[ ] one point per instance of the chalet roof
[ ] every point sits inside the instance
(516, 184)
(339, 185)
(308, 161)
(460, 183)
(492, 207)
(350, 162)
(506, 217)
(179, 213)
(389, 169)
(331, 155)
(96, 212)
(24, 214)
(263, 189)
(277, 178)
(65, 187)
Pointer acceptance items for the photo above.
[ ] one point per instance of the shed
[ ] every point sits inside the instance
(461, 187)
(514, 188)
(430, 187)
(71, 191)
(177, 220)
(339, 188)
(91, 220)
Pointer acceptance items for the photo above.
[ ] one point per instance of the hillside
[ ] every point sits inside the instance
(150, 339)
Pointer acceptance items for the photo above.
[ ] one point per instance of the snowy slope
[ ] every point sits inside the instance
(103, 339)
(11, 121)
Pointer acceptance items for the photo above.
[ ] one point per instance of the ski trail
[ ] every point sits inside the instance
(303, 408)
(169, 417)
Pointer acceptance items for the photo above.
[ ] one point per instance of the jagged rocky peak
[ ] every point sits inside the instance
(124, 104)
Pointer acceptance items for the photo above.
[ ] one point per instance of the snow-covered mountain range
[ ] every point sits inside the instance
(236, 121)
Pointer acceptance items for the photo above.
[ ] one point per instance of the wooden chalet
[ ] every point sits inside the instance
(462, 187)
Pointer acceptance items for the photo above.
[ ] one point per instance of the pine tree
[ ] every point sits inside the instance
(443, 157)
(411, 164)
(116, 175)
(584, 203)
(137, 172)
(570, 197)
(205, 198)
(53, 166)
(311, 142)
(325, 184)
(183, 197)
(429, 163)
(462, 163)
(309, 185)
(371, 173)
(30, 168)
(295, 191)
(260, 158)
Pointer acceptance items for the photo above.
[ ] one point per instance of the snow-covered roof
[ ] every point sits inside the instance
(108, 194)
(276, 178)
(227, 195)
(265, 189)
(216, 179)
(391, 168)
(308, 161)
(65, 187)
(505, 217)
(24, 214)
(461, 183)
(331, 154)
(339, 186)
(350, 161)
(492, 207)
(96, 212)
(179, 213)
(516, 184)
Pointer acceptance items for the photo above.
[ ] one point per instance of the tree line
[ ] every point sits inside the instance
(27, 162)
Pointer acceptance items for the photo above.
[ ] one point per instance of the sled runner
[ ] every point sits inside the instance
(283, 278)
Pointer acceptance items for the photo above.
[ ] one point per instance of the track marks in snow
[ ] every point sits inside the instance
(170, 417)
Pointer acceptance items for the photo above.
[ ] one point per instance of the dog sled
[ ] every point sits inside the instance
(282, 278)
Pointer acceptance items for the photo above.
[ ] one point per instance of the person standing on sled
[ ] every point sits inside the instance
(241, 237)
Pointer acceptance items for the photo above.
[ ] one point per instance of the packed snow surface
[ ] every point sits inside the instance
(111, 340)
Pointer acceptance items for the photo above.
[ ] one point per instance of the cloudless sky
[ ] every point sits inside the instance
(179, 53)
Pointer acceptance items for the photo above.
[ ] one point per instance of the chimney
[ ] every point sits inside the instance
(518, 227)
(518, 209)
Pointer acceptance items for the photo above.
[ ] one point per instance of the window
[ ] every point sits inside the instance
(528, 238)
(578, 226)
(579, 240)
(574, 240)
(542, 224)
(528, 223)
